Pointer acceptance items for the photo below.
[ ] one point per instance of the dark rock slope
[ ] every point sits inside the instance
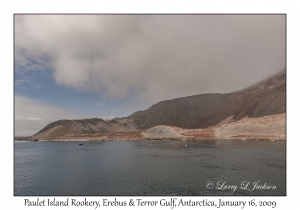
(266, 97)
(200, 111)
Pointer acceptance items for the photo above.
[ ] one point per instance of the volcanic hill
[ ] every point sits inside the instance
(196, 117)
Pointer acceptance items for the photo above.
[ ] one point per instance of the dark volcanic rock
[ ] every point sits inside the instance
(200, 111)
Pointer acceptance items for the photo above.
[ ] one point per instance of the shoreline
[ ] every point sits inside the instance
(270, 128)
(154, 139)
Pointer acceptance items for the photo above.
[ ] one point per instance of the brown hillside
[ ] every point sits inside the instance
(267, 97)
(200, 111)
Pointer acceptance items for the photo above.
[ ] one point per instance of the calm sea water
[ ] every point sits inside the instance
(150, 168)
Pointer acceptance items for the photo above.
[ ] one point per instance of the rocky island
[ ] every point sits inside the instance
(256, 112)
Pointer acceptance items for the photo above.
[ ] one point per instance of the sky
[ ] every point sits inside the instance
(106, 66)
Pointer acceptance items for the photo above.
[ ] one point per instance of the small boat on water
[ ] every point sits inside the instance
(80, 144)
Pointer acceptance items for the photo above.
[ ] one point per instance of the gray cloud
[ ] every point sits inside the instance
(154, 57)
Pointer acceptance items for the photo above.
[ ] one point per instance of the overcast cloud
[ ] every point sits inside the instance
(153, 57)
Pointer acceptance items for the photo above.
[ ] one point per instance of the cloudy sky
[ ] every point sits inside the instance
(83, 66)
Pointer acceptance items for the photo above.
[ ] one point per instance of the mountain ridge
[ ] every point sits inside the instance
(187, 112)
(264, 98)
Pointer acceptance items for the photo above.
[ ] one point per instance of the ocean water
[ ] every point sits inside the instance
(174, 168)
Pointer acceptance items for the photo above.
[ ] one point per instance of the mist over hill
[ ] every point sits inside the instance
(266, 97)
